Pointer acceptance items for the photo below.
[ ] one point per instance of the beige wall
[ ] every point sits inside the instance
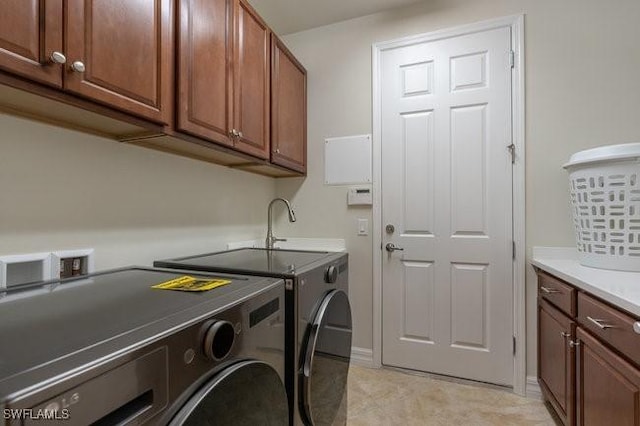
(65, 190)
(582, 90)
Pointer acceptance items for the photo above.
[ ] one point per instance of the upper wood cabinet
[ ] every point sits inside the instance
(288, 109)
(205, 80)
(251, 71)
(223, 74)
(30, 33)
(138, 61)
(120, 53)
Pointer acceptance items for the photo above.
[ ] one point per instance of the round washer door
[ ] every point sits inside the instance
(246, 393)
(326, 357)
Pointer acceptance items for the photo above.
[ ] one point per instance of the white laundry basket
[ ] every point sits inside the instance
(605, 196)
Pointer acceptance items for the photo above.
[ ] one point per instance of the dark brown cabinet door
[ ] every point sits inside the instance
(288, 109)
(205, 40)
(30, 32)
(608, 387)
(119, 52)
(556, 360)
(251, 78)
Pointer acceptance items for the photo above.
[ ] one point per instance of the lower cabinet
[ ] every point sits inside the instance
(556, 360)
(608, 387)
(587, 373)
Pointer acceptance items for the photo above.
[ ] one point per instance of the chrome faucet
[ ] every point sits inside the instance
(292, 218)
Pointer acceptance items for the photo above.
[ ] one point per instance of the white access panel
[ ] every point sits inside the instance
(347, 160)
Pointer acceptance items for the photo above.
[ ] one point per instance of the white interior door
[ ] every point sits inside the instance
(446, 189)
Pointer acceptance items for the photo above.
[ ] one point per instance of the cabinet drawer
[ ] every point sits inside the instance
(558, 293)
(609, 324)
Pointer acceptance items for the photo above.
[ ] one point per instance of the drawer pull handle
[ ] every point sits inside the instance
(636, 327)
(548, 290)
(599, 323)
(565, 335)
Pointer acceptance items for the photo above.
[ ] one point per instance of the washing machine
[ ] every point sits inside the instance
(318, 322)
(108, 349)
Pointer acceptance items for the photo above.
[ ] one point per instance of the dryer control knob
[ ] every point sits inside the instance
(331, 275)
(218, 340)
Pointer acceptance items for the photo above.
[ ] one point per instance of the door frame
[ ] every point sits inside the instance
(516, 24)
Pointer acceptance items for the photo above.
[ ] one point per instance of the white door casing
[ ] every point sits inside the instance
(447, 300)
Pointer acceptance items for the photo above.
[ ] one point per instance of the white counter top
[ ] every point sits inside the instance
(616, 287)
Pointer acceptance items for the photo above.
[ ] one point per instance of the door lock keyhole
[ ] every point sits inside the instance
(390, 229)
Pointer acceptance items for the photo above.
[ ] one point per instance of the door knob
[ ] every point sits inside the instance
(390, 247)
(78, 66)
(58, 58)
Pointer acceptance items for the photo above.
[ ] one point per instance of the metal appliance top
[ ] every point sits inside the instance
(55, 326)
(254, 261)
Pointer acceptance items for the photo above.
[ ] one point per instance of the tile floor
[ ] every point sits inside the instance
(388, 397)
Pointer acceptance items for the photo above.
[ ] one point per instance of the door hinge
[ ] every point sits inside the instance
(513, 250)
(512, 59)
(514, 345)
(512, 151)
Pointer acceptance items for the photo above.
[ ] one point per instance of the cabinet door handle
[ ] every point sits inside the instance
(636, 327)
(549, 290)
(599, 323)
(565, 335)
(78, 66)
(573, 343)
(58, 58)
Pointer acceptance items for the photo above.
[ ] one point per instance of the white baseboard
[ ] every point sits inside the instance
(362, 357)
(533, 388)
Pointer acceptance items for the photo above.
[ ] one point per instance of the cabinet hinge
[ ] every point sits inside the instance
(514, 345)
(512, 59)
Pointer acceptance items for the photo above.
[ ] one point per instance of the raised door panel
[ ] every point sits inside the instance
(205, 104)
(125, 48)
(30, 31)
(251, 77)
(556, 360)
(288, 109)
(608, 387)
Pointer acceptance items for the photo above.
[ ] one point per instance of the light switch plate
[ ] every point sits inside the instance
(363, 227)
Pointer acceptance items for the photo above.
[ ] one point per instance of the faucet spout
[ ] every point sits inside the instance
(269, 242)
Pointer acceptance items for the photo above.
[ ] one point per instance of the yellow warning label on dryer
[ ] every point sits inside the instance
(187, 283)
